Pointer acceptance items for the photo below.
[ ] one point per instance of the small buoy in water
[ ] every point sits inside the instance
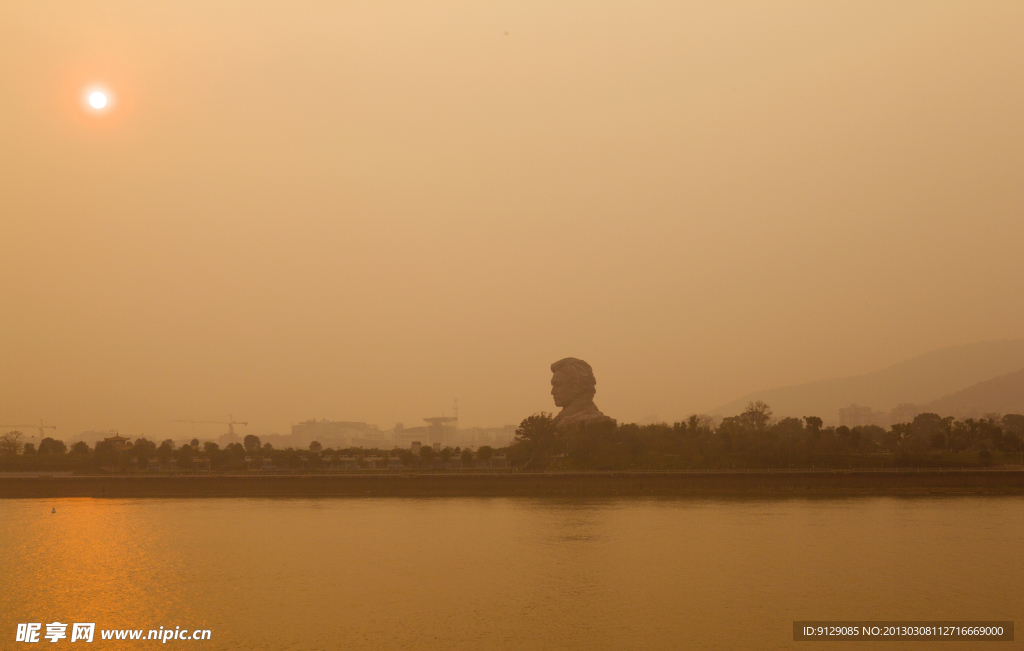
(53, 510)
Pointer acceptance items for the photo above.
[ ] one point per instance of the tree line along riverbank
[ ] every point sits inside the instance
(751, 440)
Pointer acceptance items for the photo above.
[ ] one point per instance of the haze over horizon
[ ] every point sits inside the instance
(363, 211)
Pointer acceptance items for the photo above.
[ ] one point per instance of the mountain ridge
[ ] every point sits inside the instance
(1003, 394)
(920, 380)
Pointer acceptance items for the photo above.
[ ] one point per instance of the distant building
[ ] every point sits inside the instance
(439, 429)
(376, 442)
(904, 413)
(499, 460)
(348, 463)
(93, 436)
(858, 416)
(475, 437)
(415, 447)
(338, 432)
(404, 436)
(118, 443)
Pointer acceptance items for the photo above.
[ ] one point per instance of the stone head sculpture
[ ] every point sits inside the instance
(573, 387)
(572, 379)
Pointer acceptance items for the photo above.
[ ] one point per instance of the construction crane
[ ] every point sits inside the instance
(42, 428)
(230, 422)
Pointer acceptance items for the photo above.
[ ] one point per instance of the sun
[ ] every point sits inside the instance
(96, 103)
(98, 100)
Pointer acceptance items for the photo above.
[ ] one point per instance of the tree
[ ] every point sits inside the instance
(870, 436)
(184, 456)
(80, 448)
(813, 423)
(485, 453)
(899, 436)
(1013, 423)
(466, 456)
(730, 430)
(701, 423)
(28, 448)
(211, 448)
(925, 426)
(144, 448)
(1011, 442)
(789, 427)
(536, 433)
(10, 442)
(251, 443)
(315, 447)
(427, 453)
(195, 444)
(446, 454)
(52, 446)
(757, 416)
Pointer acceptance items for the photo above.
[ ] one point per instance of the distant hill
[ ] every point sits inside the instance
(1000, 395)
(920, 380)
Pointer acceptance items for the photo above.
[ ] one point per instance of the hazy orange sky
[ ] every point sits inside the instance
(361, 210)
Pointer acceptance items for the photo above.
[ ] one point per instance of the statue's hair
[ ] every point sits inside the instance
(581, 376)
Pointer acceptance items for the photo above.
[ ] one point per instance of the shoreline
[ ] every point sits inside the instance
(733, 483)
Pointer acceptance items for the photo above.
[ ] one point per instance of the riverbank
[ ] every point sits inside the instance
(591, 484)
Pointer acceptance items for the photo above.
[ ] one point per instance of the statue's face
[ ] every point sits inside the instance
(561, 389)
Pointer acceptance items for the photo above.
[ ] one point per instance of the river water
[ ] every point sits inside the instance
(506, 573)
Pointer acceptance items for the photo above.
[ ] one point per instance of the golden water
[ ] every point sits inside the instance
(506, 573)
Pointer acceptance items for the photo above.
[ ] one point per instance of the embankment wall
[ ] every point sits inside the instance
(693, 484)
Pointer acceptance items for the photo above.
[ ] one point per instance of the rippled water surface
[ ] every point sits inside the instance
(506, 573)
